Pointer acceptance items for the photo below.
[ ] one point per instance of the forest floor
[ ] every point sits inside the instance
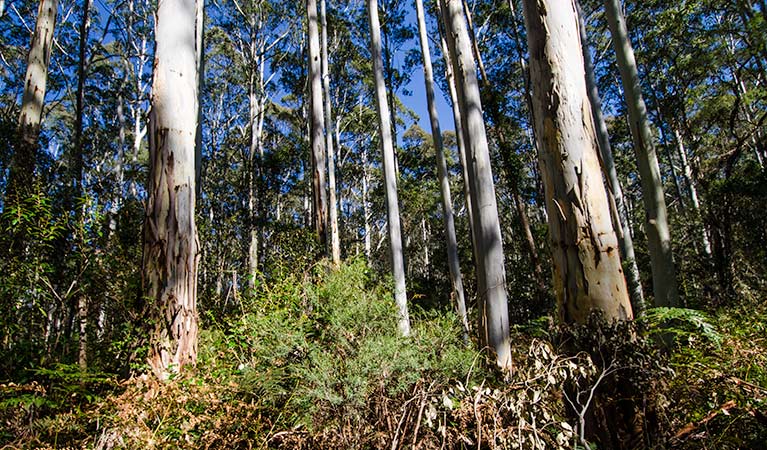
(316, 363)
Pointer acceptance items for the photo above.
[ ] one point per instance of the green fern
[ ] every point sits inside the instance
(681, 323)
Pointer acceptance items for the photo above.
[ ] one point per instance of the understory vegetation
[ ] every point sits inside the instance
(314, 360)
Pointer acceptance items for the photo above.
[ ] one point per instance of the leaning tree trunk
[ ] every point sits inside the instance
(24, 158)
(611, 174)
(390, 176)
(454, 263)
(335, 240)
(170, 234)
(319, 195)
(587, 267)
(656, 217)
(491, 272)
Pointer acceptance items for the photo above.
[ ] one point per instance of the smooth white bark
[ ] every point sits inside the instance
(335, 240)
(444, 181)
(656, 218)
(491, 272)
(390, 177)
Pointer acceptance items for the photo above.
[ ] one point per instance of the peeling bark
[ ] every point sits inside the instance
(587, 268)
(319, 194)
(170, 235)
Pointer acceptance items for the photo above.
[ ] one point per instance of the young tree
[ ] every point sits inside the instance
(170, 234)
(390, 176)
(24, 158)
(587, 267)
(454, 263)
(319, 194)
(488, 251)
(656, 216)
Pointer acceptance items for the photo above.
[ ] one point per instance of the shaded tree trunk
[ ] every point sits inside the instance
(491, 272)
(319, 195)
(454, 263)
(170, 235)
(390, 176)
(611, 176)
(656, 217)
(587, 268)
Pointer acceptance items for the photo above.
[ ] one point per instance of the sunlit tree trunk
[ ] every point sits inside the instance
(390, 176)
(170, 235)
(335, 240)
(587, 266)
(656, 223)
(454, 263)
(611, 175)
(489, 258)
(21, 175)
(319, 195)
(457, 123)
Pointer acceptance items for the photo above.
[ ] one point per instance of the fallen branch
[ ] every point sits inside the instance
(691, 427)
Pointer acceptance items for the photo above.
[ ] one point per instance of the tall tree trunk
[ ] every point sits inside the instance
(611, 175)
(335, 241)
(319, 194)
(491, 272)
(458, 124)
(200, 53)
(454, 263)
(587, 267)
(390, 176)
(656, 223)
(21, 177)
(366, 205)
(170, 235)
(77, 178)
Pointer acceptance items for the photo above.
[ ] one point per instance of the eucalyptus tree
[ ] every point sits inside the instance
(390, 175)
(33, 98)
(656, 216)
(442, 173)
(316, 126)
(587, 267)
(488, 249)
(620, 218)
(170, 234)
(335, 238)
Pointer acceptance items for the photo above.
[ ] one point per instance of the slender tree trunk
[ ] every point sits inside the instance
(458, 124)
(491, 272)
(611, 176)
(454, 263)
(335, 241)
(200, 54)
(474, 43)
(656, 223)
(687, 172)
(366, 205)
(170, 235)
(587, 267)
(390, 177)
(319, 195)
(77, 178)
(21, 177)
